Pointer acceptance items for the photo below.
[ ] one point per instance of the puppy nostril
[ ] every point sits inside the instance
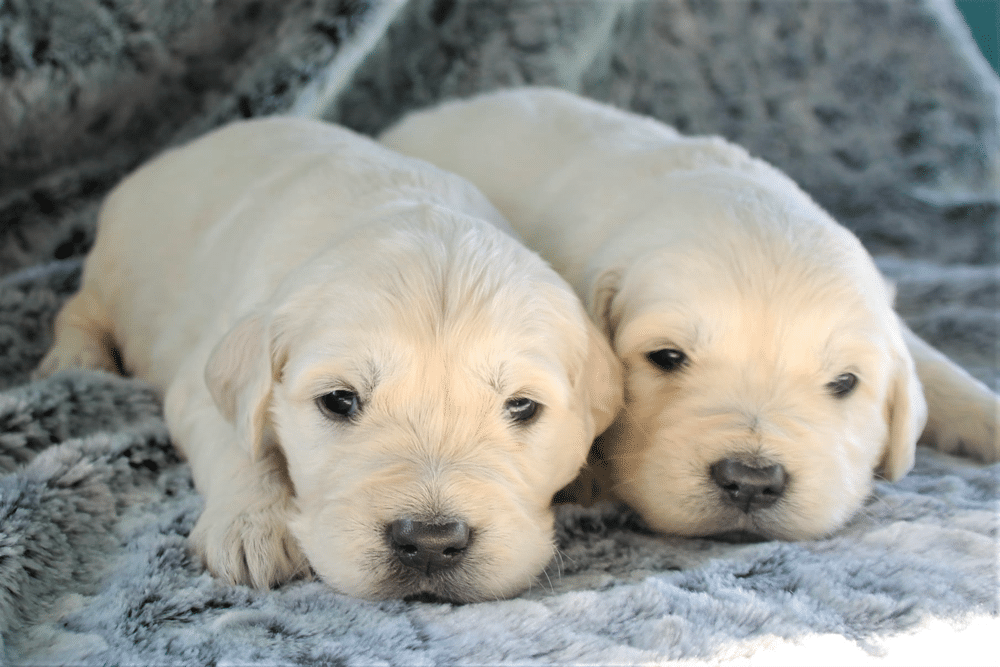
(749, 487)
(429, 547)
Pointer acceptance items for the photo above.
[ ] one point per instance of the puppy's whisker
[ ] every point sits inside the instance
(549, 580)
(558, 560)
(875, 501)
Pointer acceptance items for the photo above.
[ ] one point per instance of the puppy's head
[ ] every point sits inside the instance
(767, 380)
(431, 384)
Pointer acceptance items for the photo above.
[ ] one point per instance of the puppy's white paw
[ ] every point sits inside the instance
(83, 337)
(247, 541)
(76, 351)
(966, 423)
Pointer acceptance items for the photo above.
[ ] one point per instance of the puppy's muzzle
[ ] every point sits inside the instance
(429, 548)
(749, 486)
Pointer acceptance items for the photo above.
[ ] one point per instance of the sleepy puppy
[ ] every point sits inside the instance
(368, 374)
(767, 375)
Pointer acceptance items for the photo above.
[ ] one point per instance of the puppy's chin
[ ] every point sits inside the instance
(718, 522)
(357, 556)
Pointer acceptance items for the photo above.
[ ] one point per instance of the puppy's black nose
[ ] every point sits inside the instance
(429, 547)
(747, 486)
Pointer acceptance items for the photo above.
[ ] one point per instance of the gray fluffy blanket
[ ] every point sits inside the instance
(883, 110)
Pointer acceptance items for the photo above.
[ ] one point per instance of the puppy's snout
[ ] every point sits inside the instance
(429, 547)
(750, 487)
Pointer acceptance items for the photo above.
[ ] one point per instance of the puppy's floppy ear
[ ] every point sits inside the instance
(240, 373)
(602, 380)
(906, 414)
(604, 376)
(602, 296)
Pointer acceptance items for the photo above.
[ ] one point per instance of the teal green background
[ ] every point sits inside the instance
(983, 17)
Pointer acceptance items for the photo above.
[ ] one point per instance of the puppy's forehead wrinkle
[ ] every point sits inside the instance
(442, 377)
(371, 374)
(496, 377)
(798, 335)
(457, 273)
(791, 253)
(441, 274)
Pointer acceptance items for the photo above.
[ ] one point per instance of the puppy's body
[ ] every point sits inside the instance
(399, 386)
(767, 376)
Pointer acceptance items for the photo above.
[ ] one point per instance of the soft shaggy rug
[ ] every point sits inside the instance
(882, 109)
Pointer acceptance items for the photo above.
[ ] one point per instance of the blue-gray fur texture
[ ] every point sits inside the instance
(882, 110)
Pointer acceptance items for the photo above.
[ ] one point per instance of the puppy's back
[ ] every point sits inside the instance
(546, 157)
(200, 234)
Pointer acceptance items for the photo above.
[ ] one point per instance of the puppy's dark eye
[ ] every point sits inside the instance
(842, 385)
(667, 359)
(521, 409)
(339, 404)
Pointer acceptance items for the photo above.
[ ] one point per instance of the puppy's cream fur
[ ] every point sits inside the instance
(270, 263)
(690, 244)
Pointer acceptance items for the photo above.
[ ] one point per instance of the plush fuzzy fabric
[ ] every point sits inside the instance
(883, 110)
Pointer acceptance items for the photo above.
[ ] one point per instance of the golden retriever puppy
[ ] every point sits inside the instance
(767, 375)
(368, 374)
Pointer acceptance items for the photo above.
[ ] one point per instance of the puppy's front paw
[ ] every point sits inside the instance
(248, 543)
(75, 349)
(969, 425)
(83, 337)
